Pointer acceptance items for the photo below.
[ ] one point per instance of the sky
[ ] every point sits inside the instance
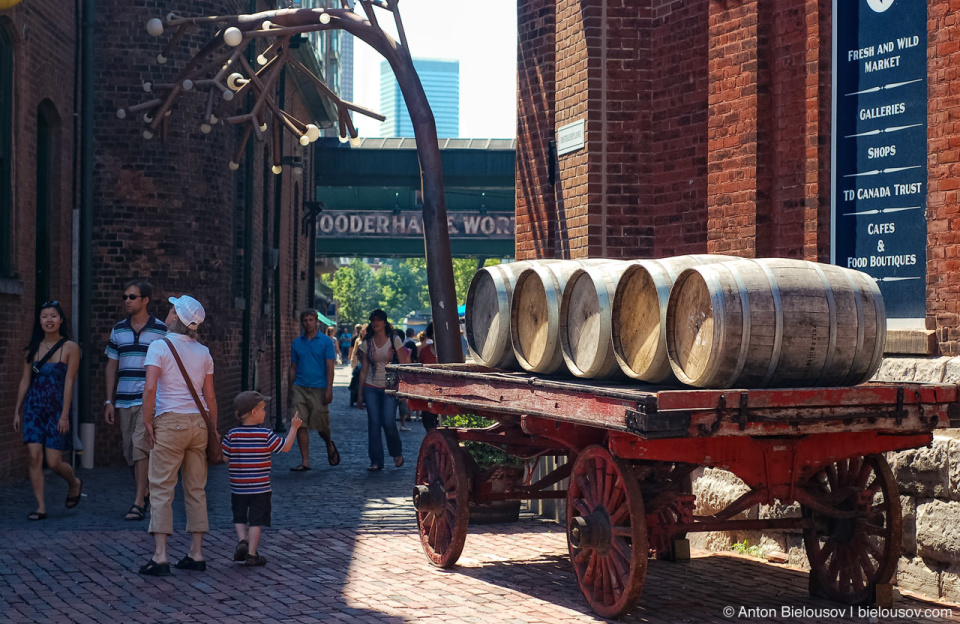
(484, 40)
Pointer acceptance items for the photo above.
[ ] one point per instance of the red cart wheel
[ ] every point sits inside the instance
(441, 497)
(857, 547)
(606, 531)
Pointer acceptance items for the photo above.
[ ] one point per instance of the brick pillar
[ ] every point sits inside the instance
(732, 171)
(536, 227)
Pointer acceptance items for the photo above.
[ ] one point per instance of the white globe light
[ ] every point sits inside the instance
(313, 132)
(261, 59)
(213, 119)
(343, 139)
(232, 36)
(232, 81)
(148, 87)
(121, 113)
(155, 27)
(228, 95)
(324, 18)
(187, 84)
(205, 128)
(161, 59)
(267, 25)
(168, 113)
(147, 135)
(276, 169)
(233, 166)
(304, 140)
(147, 118)
(263, 127)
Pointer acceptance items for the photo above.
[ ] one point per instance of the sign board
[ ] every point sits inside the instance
(879, 147)
(570, 137)
(390, 224)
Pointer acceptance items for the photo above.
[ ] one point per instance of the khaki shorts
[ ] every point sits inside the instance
(134, 433)
(309, 402)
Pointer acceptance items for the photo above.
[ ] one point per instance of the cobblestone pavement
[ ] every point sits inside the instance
(344, 547)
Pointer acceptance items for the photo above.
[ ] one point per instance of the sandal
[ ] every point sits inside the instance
(300, 468)
(136, 513)
(374, 468)
(334, 456)
(73, 501)
(240, 554)
(155, 569)
(189, 563)
(255, 560)
(36, 515)
(398, 461)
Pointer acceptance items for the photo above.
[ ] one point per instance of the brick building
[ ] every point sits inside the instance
(708, 129)
(169, 209)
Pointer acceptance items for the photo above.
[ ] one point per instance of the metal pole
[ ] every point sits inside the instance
(248, 170)
(86, 213)
(277, 206)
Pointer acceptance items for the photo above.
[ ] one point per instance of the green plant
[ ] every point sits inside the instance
(744, 548)
(484, 454)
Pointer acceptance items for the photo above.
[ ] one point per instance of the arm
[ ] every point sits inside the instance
(72, 350)
(21, 393)
(150, 401)
(328, 395)
(295, 423)
(364, 367)
(291, 376)
(211, 398)
(403, 354)
(111, 376)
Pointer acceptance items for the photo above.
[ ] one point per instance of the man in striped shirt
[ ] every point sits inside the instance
(125, 353)
(248, 449)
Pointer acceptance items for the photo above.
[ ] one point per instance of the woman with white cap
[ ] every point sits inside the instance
(178, 431)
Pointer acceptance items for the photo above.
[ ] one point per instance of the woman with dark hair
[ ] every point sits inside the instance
(380, 347)
(174, 399)
(428, 355)
(45, 396)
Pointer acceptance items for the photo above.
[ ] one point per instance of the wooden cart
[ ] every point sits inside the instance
(631, 449)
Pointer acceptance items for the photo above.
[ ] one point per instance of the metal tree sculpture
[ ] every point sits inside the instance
(221, 70)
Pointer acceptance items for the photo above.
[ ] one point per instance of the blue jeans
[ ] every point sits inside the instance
(381, 414)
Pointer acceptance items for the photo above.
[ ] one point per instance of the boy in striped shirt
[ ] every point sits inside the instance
(248, 449)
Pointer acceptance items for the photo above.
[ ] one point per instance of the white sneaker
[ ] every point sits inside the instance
(404, 428)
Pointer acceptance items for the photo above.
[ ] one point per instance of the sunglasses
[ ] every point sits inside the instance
(130, 297)
(49, 304)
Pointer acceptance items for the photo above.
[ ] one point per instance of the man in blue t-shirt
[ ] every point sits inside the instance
(312, 363)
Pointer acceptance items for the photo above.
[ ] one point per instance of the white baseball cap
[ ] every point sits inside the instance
(189, 310)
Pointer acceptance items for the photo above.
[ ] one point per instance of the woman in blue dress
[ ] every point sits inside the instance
(44, 403)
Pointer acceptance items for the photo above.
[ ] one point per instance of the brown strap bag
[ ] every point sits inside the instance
(214, 451)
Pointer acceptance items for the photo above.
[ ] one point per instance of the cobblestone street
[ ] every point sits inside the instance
(344, 547)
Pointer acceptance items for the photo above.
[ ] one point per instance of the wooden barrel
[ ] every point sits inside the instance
(638, 327)
(535, 314)
(774, 322)
(488, 314)
(586, 312)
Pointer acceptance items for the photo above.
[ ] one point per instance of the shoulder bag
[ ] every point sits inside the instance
(214, 451)
(35, 370)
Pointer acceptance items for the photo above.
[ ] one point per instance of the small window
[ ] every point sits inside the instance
(6, 152)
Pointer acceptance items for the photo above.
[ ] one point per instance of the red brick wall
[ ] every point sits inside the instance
(43, 35)
(943, 175)
(536, 85)
(168, 210)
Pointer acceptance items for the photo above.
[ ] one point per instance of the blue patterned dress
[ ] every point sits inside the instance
(43, 406)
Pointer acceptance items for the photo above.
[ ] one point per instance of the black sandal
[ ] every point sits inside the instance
(136, 513)
(155, 569)
(189, 563)
(332, 458)
(73, 501)
(36, 515)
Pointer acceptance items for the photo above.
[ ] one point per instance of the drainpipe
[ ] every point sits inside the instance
(277, 207)
(86, 232)
(249, 172)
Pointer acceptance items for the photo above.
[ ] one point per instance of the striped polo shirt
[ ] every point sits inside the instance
(130, 348)
(248, 449)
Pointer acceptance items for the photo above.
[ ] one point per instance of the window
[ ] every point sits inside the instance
(46, 208)
(6, 152)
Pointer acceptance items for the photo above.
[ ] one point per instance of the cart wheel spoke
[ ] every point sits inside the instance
(848, 555)
(442, 468)
(605, 517)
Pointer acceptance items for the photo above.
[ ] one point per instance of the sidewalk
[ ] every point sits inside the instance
(344, 547)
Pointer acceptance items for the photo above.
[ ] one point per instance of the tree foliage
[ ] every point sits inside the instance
(403, 287)
(356, 291)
